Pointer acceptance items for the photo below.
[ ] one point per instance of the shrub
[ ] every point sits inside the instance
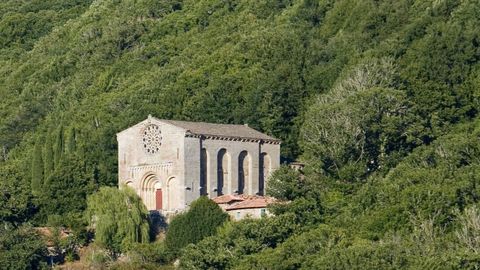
(200, 221)
(149, 253)
(21, 248)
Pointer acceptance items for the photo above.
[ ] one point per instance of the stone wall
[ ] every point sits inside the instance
(165, 167)
(240, 214)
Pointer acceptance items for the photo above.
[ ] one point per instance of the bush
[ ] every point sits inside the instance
(97, 257)
(200, 221)
(285, 184)
(237, 239)
(21, 248)
(149, 253)
(362, 255)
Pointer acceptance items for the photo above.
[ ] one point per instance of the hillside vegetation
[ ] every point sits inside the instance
(380, 99)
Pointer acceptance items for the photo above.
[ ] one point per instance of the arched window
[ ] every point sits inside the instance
(223, 161)
(130, 184)
(265, 168)
(243, 171)
(203, 171)
(174, 196)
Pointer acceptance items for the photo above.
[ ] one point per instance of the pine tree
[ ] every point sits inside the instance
(37, 168)
(48, 159)
(58, 147)
(71, 144)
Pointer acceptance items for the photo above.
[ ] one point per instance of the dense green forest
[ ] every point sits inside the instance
(379, 98)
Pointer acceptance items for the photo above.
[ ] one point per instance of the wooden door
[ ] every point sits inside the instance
(158, 197)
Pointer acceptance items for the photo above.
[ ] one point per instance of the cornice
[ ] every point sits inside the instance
(230, 138)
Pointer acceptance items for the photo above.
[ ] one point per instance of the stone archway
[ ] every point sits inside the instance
(243, 172)
(174, 196)
(148, 191)
(223, 168)
(129, 184)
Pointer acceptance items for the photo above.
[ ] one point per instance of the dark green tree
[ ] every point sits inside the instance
(71, 143)
(16, 201)
(201, 220)
(58, 147)
(37, 168)
(285, 184)
(48, 157)
(22, 248)
(66, 189)
(246, 237)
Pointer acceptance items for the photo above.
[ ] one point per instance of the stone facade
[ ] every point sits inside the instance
(171, 163)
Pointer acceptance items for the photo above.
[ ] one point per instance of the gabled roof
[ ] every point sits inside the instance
(228, 198)
(214, 130)
(237, 202)
(221, 130)
(251, 202)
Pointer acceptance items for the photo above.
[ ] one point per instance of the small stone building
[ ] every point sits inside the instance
(171, 163)
(243, 206)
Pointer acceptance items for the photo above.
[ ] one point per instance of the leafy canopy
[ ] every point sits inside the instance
(201, 220)
(119, 218)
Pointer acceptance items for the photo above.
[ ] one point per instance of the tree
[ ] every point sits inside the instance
(37, 168)
(16, 201)
(71, 141)
(285, 184)
(469, 233)
(200, 221)
(65, 190)
(58, 147)
(48, 159)
(351, 131)
(119, 218)
(21, 248)
(235, 240)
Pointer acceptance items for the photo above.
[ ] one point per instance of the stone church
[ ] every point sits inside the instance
(171, 163)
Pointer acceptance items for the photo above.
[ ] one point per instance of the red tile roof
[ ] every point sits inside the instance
(251, 202)
(227, 199)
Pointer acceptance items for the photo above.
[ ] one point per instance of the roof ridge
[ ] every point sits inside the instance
(202, 122)
(220, 130)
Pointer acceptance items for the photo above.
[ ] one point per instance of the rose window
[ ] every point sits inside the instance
(152, 139)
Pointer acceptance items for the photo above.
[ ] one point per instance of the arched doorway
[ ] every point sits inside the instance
(158, 196)
(265, 168)
(243, 172)
(148, 191)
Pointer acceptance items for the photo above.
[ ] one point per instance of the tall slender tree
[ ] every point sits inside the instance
(48, 159)
(37, 168)
(71, 143)
(58, 147)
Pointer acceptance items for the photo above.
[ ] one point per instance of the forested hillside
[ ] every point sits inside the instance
(380, 99)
